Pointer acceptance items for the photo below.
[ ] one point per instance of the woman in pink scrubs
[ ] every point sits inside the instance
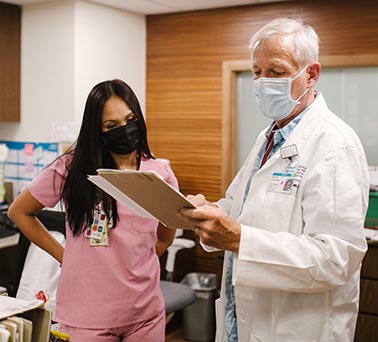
(109, 284)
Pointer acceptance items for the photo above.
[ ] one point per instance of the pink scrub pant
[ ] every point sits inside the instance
(152, 330)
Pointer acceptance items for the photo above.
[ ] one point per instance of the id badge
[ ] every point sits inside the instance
(287, 182)
(104, 241)
(282, 182)
(97, 232)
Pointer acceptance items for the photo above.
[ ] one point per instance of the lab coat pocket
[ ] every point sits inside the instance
(282, 207)
(301, 317)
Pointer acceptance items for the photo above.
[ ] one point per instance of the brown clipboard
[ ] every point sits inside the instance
(152, 193)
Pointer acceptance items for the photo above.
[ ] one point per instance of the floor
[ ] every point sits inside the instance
(175, 336)
(174, 331)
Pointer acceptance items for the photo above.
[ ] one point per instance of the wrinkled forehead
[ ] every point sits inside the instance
(275, 48)
(277, 43)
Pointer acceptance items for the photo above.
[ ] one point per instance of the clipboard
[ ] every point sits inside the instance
(146, 193)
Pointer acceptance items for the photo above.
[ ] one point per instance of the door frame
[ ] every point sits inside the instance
(230, 69)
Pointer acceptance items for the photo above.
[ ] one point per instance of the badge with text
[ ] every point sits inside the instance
(287, 182)
(281, 182)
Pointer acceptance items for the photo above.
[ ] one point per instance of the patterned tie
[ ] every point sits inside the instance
(230, 308)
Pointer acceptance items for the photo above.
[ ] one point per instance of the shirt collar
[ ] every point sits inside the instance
(284, 132)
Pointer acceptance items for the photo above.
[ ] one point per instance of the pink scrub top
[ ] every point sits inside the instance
(106, 286)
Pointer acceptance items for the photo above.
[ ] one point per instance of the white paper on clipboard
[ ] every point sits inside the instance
(119, 196)
(144, 192)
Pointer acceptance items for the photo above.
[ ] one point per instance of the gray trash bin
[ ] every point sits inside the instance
(199, 317)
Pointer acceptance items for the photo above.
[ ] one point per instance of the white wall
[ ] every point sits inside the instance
(66, 48)
(109, 43)
(47, 70)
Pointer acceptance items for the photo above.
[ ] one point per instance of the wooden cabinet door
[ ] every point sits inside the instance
(10, 32)
(367, 323)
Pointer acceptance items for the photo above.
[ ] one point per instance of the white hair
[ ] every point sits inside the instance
(304, 38)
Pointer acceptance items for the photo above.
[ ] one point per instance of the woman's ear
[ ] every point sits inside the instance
(313, 72)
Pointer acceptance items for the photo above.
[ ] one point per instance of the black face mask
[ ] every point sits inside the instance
(124, 139)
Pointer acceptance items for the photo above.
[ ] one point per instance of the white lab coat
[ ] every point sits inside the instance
(296, 275)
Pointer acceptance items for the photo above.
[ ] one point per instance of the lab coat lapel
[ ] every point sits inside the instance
(300, 134)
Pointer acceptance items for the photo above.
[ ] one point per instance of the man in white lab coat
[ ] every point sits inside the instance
(291, 222)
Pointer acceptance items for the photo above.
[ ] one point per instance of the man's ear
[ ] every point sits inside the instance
(313, 72)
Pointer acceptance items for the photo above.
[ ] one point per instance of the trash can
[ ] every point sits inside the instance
(199, 317)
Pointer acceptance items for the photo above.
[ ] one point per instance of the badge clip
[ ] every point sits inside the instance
(289, 152)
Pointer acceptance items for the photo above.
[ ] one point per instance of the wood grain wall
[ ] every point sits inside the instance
(185, 52)
(10, 35)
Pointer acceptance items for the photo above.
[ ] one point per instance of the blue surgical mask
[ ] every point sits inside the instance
(273, 96)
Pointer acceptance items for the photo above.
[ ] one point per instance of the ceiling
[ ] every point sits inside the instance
(148, 7)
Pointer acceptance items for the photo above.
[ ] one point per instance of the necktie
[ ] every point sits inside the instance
(230, 308)
(268, 148)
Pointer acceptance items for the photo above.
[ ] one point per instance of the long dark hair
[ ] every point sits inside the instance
(89, 153)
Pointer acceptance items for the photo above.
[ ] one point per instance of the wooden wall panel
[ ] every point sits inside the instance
(10, 35)
(185, 52)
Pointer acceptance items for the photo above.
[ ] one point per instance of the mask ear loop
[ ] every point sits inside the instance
(300, 72)
(306, 91)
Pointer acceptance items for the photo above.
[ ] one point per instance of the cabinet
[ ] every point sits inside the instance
(367, 323)
(10, 33)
